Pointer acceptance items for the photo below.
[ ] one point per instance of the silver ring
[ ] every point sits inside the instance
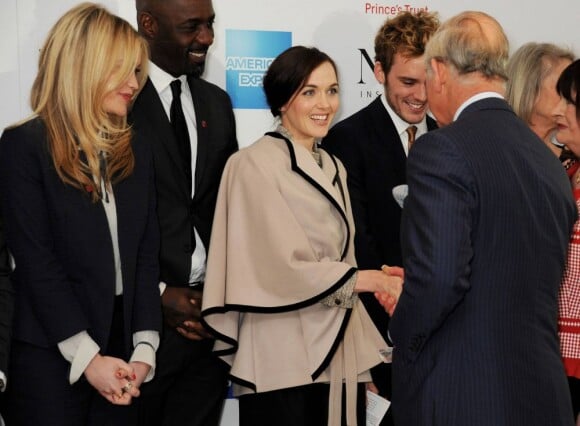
(127, 386)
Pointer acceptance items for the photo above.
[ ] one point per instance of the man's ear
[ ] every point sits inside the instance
(440, 74)
(379, 73)
(147, 25)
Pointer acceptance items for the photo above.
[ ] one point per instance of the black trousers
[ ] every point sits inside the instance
(39, 393)
(189, 387)
(303, 405)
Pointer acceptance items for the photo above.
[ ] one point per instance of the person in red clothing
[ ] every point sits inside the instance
(569, 318)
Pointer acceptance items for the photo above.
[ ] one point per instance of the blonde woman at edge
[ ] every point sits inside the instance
(533, 71)
(78, 205)
(282, 282)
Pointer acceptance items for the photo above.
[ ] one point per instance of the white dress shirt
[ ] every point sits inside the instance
(161, 81)
(401, 125)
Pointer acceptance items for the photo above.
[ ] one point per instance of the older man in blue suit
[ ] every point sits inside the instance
(484, 234)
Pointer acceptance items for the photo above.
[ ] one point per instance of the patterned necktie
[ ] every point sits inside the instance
(411, 131)
(180, 129)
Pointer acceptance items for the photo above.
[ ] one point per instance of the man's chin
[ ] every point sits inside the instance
(414, 119)
(196, 71)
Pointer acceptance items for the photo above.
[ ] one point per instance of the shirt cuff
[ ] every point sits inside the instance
(146, 343)
(162, 287)
(79, 350)
(3, 381)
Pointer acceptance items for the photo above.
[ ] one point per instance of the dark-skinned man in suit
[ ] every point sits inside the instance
(190, 382)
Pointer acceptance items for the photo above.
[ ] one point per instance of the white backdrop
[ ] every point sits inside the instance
(342, 28)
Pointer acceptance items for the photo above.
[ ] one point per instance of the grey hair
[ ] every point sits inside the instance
(471, 42)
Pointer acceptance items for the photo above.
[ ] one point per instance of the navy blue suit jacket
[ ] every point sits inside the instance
(65, 274)
(485, 230)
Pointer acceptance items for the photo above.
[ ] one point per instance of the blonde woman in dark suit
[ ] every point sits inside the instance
(78, 204)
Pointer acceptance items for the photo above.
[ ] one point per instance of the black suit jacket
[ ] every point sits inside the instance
(6, 303)
(216, 141)
(370, 148)
(64, 277)
(485, 232)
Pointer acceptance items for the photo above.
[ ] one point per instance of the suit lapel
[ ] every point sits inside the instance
(387, 137)
(431, 124)
(150, 106)
(325, 179)
(203, 125)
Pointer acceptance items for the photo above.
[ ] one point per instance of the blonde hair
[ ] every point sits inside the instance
(471, 42)
(527, 69)
(88, 54)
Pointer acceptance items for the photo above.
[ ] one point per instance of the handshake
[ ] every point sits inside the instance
(386, 285)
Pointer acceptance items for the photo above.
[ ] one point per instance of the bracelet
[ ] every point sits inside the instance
(143, 342)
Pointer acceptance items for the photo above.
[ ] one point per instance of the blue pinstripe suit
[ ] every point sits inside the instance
(484, 235)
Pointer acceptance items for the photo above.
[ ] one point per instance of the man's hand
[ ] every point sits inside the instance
(182, 311)
(387, 301)
(389, 298)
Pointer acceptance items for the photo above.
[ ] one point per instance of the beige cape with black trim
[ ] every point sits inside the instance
(282, 240)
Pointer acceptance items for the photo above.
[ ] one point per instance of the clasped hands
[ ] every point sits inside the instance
(389, 297)
(182, 311)
(117, 381)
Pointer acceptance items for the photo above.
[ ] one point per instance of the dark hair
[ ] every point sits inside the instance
(288, 73)
(569, 83)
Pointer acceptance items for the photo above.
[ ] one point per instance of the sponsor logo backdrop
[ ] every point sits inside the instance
(248, 34)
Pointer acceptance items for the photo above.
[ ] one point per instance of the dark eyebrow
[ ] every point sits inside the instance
(197, 21)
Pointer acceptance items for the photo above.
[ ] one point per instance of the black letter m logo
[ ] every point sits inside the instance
(367, 59)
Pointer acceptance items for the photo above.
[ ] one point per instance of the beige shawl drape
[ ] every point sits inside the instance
(282, 240)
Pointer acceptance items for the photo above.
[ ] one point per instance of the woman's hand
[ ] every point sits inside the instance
(112, 378)
(386, 284)
(389, 280)
(141, 370)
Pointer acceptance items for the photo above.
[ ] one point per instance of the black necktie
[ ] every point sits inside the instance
(180, 129)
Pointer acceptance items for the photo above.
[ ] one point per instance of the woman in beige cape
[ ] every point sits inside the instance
(281, 287)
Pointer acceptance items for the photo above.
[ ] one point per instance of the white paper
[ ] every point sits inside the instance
(400, 193)
(377, 407)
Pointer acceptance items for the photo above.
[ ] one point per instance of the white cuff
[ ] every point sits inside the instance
(79, 350)
(146, 343)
